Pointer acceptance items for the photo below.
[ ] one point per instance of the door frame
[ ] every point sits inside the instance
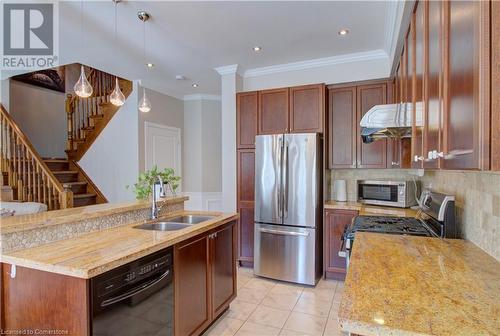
(177, 130)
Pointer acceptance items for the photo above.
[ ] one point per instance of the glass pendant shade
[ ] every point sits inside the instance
(82, 87)
(144, 104)
(116, 97)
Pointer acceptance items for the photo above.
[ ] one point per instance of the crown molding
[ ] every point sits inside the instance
(316, 63)
(393, 24)
(227, 69)
(201, 97)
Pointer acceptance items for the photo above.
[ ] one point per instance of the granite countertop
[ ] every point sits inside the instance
(408, 285)
(57, 217)
(97, 252)
(365, 209)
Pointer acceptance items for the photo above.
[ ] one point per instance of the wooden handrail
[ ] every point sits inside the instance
(27, 172)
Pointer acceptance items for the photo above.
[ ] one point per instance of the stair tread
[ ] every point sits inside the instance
(84, 195)
(65, 172)
(97, 116)
(75, 183)
(55, 160)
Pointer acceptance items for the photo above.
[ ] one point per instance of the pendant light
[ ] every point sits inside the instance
(116, 97)
(144, 103)
(82, 87)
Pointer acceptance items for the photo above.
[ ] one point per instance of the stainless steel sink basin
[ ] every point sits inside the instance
(162, 226)
(190, 219)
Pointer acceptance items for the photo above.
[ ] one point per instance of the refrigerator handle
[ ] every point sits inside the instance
(280, 174)
(285, 181)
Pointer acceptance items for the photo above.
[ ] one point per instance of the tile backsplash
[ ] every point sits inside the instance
(477, 198)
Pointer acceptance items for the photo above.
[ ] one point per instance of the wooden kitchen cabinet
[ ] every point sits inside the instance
(273, 111)
(334, 225)
(192, 308)
(342, 130)
(245, 204)
(205, 279)
(372, 155)
(466, 117)
(495, 85)
(417, 31)
(307, 108)
(247, 106)
(42, 300)
(223, 257)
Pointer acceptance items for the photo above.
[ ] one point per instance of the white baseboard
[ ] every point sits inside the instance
(205, 201)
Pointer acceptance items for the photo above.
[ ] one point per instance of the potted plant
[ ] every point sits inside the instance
(144, 186)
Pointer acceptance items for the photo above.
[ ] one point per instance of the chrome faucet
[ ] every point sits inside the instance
(154, 207)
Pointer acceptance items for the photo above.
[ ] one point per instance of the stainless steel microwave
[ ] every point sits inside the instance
(401, 194)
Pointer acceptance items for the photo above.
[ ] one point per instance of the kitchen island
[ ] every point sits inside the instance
(47, 277)
(408, 285)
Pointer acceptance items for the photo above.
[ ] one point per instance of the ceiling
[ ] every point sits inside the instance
(192, 38)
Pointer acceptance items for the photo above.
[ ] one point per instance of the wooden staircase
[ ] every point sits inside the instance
(59, 182)
(73, 178)
(87, 117)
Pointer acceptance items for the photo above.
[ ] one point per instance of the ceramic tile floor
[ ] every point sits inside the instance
(265, 307)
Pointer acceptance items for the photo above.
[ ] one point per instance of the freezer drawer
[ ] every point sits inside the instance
(285, 253)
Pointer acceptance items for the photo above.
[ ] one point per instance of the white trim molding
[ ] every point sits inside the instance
(201, 97)
(393, 25)
(227, 69)
(316, 63)
(204, 201)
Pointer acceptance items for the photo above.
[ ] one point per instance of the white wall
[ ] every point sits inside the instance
(4, 93)
(112, 162)
(165, 110)
(202, 154)
(340, 70)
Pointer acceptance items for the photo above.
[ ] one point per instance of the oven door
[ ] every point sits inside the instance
(382, 193)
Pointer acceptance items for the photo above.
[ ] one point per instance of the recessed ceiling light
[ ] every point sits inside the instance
(150, 65)
(257, 48)
(195, 85)
(180, 77)
(343, 32)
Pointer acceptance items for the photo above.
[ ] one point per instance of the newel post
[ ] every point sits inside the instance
(66, 197)
(70, 109)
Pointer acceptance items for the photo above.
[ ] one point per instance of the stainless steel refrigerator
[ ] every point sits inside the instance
(288, 207)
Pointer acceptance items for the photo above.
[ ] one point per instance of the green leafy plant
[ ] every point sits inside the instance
(144, 186)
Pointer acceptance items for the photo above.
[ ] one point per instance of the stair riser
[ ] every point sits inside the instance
(79, 189)
(67, 177)
(55, 166)
(77, 202)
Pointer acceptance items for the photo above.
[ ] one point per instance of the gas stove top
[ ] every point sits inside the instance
(391, 225)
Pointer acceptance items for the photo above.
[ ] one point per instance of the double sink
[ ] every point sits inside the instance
(174, 224)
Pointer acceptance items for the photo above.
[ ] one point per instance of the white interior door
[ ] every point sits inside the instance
(163, 147)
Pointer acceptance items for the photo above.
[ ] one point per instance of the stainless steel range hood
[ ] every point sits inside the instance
(389, 121)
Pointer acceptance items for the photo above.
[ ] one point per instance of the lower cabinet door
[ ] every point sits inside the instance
(192, 280)
(223, 268)
(335, 222)
(246, 233)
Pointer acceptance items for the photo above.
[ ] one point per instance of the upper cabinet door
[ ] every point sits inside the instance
(419, 39)
(247, 105)
(273, 111)
(372, 155)
(466, 114)
(433, 112)
(307, 108)
(342, 135)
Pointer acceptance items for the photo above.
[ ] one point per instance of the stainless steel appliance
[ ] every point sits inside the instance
(135, 299)
(437, 219)
(402, 194)
(288, 207)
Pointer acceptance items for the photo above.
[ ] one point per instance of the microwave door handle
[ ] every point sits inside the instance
(134, 291)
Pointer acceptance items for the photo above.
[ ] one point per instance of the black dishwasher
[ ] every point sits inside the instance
(135, 299)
